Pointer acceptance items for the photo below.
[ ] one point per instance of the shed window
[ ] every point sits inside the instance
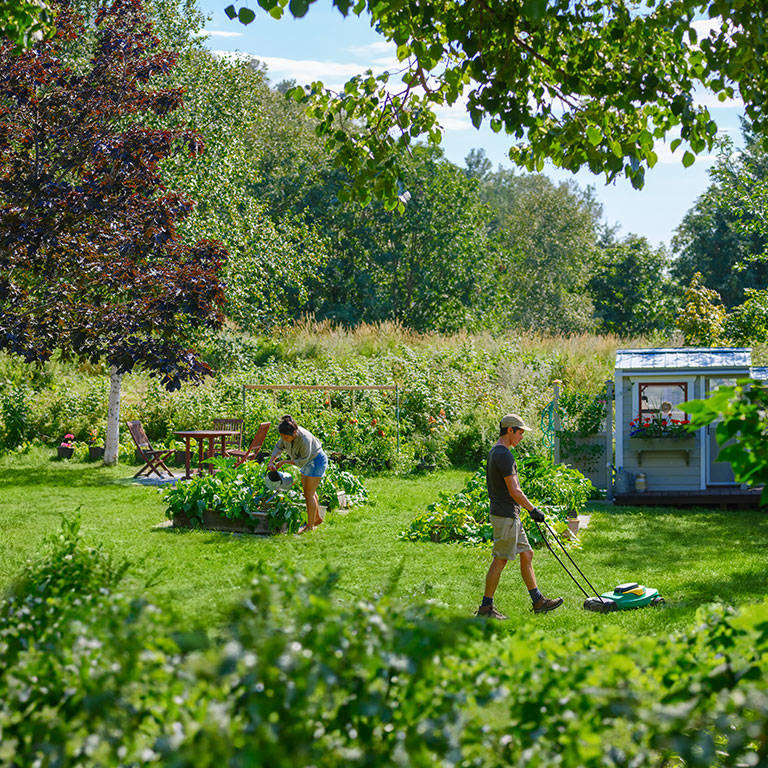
(662, 401)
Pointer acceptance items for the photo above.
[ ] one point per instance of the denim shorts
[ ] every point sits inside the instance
(316, 467)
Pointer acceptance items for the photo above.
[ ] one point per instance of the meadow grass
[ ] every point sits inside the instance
(693, 557)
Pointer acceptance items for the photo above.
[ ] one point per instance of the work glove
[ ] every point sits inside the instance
(537, 515)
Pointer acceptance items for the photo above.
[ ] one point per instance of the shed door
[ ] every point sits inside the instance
(718, 472)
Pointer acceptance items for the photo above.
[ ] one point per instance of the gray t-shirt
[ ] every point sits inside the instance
(501, 464)
(302, 449)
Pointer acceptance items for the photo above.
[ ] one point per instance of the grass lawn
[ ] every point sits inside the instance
(693, 556)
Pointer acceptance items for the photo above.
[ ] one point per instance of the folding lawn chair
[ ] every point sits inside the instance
(233, 441)
(254, 448)
(153, 458)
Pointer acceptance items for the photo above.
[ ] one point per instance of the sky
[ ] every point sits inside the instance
(326, 46)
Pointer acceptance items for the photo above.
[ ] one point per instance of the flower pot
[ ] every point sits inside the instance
(64, 452)
(95, 452)
(180, 457)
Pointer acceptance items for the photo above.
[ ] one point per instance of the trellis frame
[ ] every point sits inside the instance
(330, 388)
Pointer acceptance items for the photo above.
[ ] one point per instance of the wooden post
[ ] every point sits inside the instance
(609, 439)
(556, 420)
(397, 417)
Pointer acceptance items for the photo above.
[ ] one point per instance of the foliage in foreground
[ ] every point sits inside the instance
(92, 677)
(239, 493)
(556, 489)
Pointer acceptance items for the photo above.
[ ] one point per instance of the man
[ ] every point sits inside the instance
(509, 537)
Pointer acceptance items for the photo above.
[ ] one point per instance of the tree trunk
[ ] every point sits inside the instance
(112, 441)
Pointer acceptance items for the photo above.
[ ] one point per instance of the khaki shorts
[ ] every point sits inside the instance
(509, 538)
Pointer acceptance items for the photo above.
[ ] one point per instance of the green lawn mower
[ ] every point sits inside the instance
(625, 597)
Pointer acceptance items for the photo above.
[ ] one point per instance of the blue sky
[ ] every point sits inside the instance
(326, 46)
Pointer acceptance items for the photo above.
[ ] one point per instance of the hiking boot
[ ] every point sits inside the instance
(546, 604)
(490, 612)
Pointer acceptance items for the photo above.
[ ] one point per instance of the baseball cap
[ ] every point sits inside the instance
(513, 421)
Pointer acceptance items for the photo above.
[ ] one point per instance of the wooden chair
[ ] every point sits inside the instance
(153, 458)
(254, 448)
(233, 441)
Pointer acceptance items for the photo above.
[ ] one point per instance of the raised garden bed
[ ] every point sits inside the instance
(258, 523)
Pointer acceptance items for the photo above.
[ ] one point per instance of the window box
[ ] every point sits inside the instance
(683, 445)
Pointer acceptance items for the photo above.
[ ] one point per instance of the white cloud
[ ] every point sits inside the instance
(373, 49)
(217, 33)
(333, 74)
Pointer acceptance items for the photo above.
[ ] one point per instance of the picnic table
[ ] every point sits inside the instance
(201, 435)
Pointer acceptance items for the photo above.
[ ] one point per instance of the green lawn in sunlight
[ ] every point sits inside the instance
(692, 557)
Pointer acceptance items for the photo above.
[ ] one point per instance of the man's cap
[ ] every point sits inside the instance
(513, 421)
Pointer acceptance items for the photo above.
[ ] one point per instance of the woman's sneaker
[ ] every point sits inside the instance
(490, 612)
(546, 604)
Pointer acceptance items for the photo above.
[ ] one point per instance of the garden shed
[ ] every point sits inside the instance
(657, 460)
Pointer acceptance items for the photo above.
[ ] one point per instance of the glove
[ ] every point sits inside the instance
(537, 515)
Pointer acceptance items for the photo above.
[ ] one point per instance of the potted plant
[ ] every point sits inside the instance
(95, 446)
(67, 447)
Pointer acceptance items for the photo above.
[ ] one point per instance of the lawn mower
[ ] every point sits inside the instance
(623, 598)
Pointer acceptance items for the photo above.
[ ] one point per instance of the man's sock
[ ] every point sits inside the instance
(535, 594)
(487, 601)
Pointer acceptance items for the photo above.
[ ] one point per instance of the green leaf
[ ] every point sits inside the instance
(688, 159)
(246, 15)
(675, 144)
(231, 11)
(594, 135)
(298, 8)
(534, 9)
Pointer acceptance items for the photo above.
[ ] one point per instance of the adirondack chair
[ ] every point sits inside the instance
(154, 459)
(234, 442)
(254, 448)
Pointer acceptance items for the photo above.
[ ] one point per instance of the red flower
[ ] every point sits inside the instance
(373, 422)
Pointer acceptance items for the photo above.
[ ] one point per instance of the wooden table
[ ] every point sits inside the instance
(201, 435)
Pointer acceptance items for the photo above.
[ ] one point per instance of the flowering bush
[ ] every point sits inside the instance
(648, 426)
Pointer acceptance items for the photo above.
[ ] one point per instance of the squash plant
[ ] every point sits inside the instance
(463, 516)
(238, 494)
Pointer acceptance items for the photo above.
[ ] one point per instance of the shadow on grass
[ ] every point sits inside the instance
(58, 475)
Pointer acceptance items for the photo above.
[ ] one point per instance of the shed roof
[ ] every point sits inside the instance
(760, 373)
(685, 358)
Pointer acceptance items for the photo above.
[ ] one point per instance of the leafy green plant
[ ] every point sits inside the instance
(337, 479)
(237, 493)
(15, 412)
(557, 490)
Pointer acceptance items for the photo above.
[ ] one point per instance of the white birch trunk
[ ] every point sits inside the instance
(112, 440)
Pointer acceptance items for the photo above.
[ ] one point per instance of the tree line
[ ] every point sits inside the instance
(465, 247)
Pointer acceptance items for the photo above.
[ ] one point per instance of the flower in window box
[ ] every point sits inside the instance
(657, 426)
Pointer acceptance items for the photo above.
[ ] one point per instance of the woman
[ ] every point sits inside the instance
(304, 451)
